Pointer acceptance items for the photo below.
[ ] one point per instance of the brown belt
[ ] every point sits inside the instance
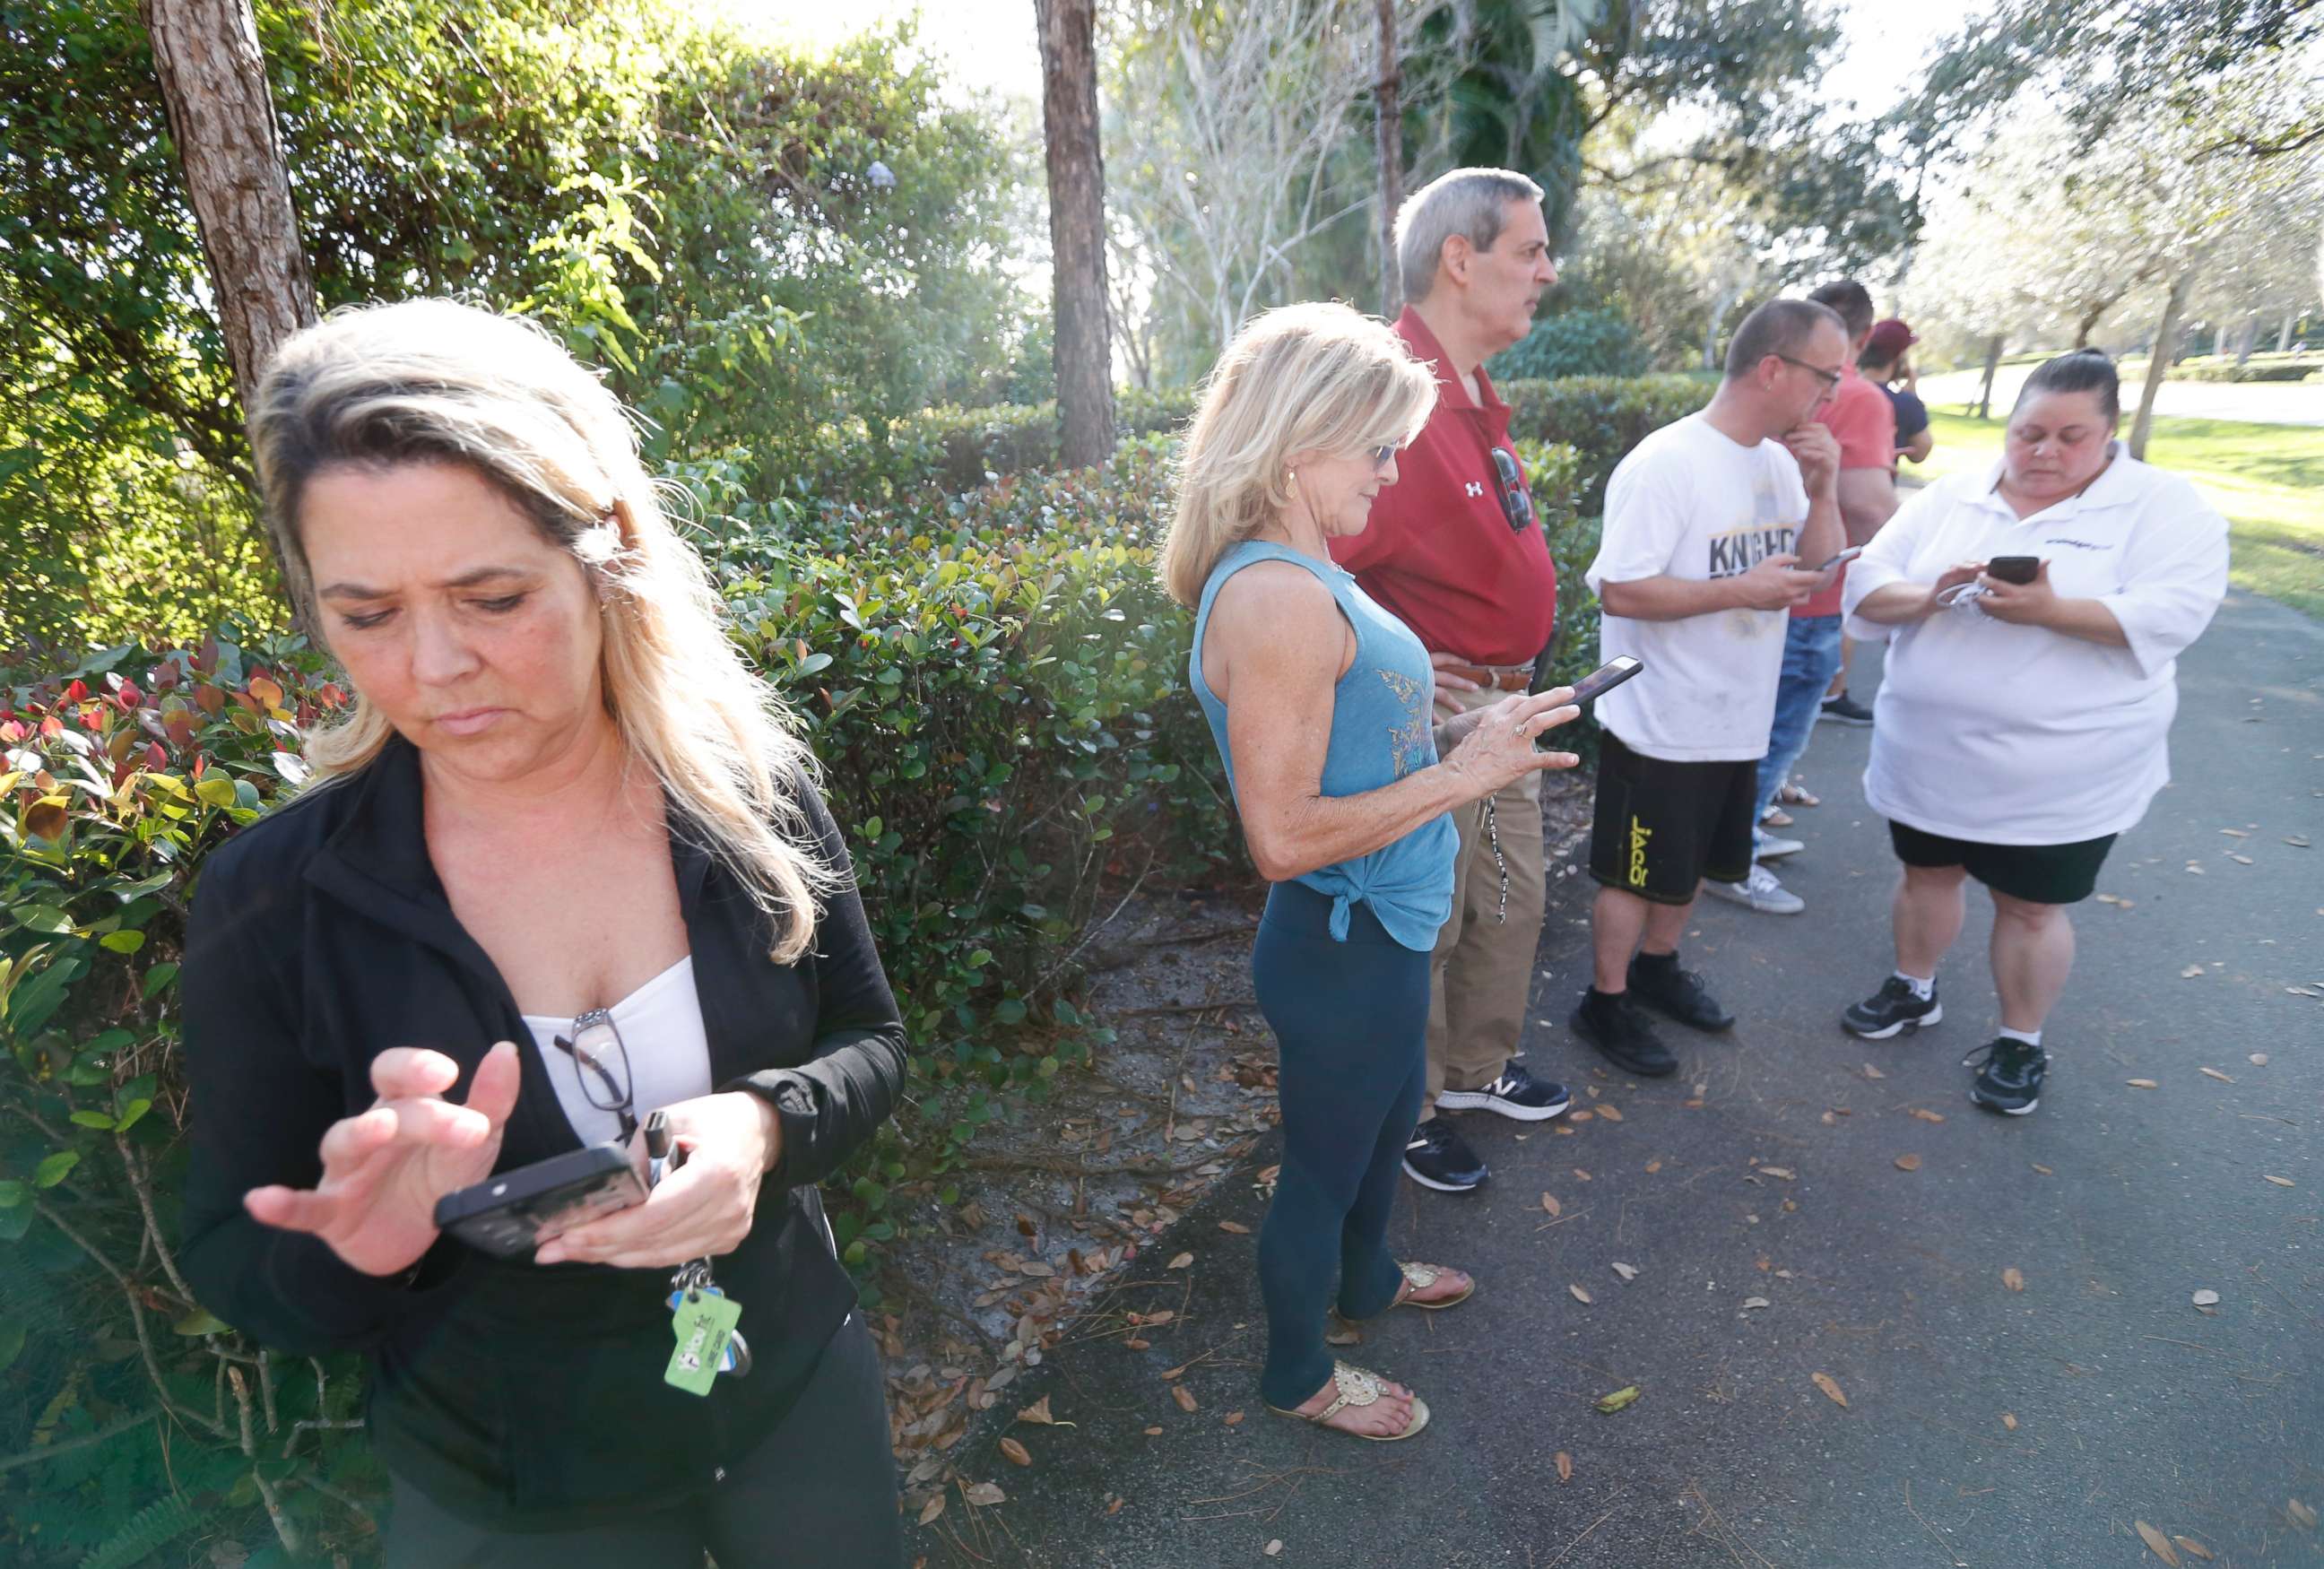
(1496, 677)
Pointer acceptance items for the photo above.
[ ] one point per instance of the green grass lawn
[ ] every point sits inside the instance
(2267, 480)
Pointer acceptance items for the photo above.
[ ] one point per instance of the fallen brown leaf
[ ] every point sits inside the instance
(2158, 1542)
(1580, 1116)
(2192, 971)
(1274, 1548)
(2283, 1182)
(2301, 1513)
(2140, 1083)
(2215, 1073)
(1112, 1507)
(1236, 1227)
(1825, 1382)
(1017, 1453)
(1612, 1113)
(1752, 1302)
(2205, 1298)
(2044, 1170)
(1908, 1163)
(1549, 1202)
(1564, 1466)
(1579, 1294)
(1136, 1343)
(1786, 1172)
(1581, 1175)
(1653, 1166)
(1038, 1411)
(1184, 1395)
(1627, 1272)
(1180, 1262)
(1164, 1317)
(2257, 1059)
(2188, 1545)
(2244, 859)
(1233, 1418)
(2013, 1278)
(1873, 1073)
(932, 1509)
(985, 1493)
(1610, 1404)
(1926, 1115)
(2009, 1420)
(1154, 1433)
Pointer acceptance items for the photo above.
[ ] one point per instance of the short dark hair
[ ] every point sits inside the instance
(2084, 370)
(1779, 326)
(1849, 300)
(1873, 359)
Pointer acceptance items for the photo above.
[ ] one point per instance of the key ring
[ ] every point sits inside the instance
(693, 1280)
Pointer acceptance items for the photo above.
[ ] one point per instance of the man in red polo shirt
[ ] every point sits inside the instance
(1453, 550)
(1863, 420)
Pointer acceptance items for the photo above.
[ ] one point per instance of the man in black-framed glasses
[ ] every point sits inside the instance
(1454, 551)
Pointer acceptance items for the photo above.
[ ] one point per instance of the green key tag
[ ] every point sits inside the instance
(703, 1324)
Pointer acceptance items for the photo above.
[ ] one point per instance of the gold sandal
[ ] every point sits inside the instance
(1359, 1387)
(1420, 1277)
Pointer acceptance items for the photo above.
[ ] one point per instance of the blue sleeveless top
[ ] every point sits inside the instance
(1380, 732)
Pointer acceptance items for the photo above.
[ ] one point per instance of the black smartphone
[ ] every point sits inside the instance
(510, 1214)
(1850, 554)
(2019, 569)
(1606, 678)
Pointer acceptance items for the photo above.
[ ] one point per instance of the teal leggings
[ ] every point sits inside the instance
(1350, 1024)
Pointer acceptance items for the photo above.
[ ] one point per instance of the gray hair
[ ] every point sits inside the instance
(1470, 202)
(1780, 328)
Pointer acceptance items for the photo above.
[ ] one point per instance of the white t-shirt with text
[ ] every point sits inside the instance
(2007, 734)
(1693, 503)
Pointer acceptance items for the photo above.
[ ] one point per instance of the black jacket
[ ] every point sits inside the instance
(512, 1394)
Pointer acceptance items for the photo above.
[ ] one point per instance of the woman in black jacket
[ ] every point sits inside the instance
(563, 815)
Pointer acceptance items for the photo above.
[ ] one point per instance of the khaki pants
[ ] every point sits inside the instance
(1480, 975)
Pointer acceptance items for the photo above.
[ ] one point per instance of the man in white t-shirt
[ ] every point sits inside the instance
(1707, 522)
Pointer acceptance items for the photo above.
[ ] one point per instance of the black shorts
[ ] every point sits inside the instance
(2036, 873)
(1662, 827)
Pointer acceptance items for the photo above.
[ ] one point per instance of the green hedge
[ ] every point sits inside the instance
(995, 684)
(1601, 417)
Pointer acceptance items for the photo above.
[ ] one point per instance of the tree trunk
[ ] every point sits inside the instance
(2166, 343)
(1391, 160)
(2246, 336)
(213, 87)
(1076, 229)
(1992, 363)
(2090, 320)
(2284, 337)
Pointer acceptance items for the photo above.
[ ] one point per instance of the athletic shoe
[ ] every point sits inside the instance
(1844, 710)
(1678, 993)
(1760, 890)
(1773, 847)
(1515, 1093)
(1616, 1026)
(2010, 1079)
(1893, 1008)
(1437, 1156)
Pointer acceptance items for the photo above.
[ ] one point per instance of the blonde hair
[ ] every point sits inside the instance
(433, 381)
(1299, 378)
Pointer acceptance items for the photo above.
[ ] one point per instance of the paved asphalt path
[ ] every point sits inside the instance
(2114, 1204)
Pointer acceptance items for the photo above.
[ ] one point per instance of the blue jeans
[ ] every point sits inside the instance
(1810, 659)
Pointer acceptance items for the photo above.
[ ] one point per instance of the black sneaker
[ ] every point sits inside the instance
(1844, 710)
(1895, 1007)
(1515, 1093)
(1439, 1158)
(1679, 993)
(2010, 1080)
(1616, 1026)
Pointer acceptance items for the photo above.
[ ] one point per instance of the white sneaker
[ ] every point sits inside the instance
(1760, 890)
(1772, 847)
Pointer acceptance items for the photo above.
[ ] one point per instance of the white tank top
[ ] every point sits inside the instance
(663, 1035)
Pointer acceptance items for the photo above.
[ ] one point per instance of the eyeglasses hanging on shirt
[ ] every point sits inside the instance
(603, 1063)
(1516, 504)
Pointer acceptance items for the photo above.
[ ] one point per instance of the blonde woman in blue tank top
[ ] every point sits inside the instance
(1320, 703)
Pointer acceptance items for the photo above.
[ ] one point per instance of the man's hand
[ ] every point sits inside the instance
(1776, 584)
(1451, 707)
(1817, 452)
(1911, 374)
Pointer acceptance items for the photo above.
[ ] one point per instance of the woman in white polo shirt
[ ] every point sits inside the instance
(2020, 725)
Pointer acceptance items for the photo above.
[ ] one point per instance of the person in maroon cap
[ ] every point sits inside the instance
(1454, 551)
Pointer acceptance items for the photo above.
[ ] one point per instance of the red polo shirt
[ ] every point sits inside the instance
(1863, 420)
(1438, 554)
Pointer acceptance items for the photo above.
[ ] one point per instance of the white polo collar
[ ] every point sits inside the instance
(2117, 486)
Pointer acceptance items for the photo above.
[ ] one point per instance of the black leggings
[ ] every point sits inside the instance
(821, 1489)
(1350, 1022)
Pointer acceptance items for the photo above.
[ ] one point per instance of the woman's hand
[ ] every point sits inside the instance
(383, 1171)
(703, 1209)
(1498, 749)
(2021, 604)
